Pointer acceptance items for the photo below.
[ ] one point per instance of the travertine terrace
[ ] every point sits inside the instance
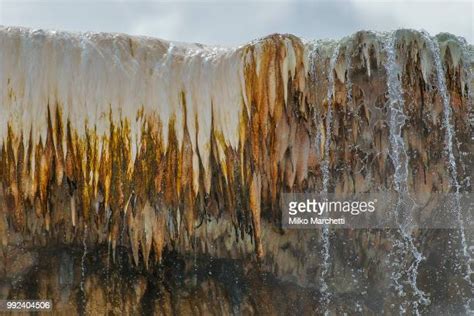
(154, 147)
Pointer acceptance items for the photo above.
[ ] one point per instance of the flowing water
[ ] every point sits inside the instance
(449, 127)
(184, 88)
(350, 103)
(329, 114)
(326, 265)
(399, 158)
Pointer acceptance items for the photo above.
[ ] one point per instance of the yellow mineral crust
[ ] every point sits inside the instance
(153, 144)
(106, 128)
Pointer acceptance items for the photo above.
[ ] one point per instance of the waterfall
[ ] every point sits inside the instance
(325, 164)
(326, 295)
(155, 145)
(348, 81)
(399, 158)
(449, 137)
(396, 117)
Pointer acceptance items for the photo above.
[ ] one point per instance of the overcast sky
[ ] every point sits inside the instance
(236, 22)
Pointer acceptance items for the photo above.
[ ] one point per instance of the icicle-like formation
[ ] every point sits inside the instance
(347, 75)
(133, 129)
(97, 80)
(157, 146)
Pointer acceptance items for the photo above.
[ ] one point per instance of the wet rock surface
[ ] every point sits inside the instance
(140, 176)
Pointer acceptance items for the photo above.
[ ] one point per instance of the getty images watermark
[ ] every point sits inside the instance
(376, 210)
(320, 210)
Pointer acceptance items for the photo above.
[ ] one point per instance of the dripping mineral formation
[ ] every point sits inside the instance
(144, 176)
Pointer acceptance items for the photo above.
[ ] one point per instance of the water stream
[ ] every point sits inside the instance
(326, 265)
(449, 137)
(399, 158)
(204, 108)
